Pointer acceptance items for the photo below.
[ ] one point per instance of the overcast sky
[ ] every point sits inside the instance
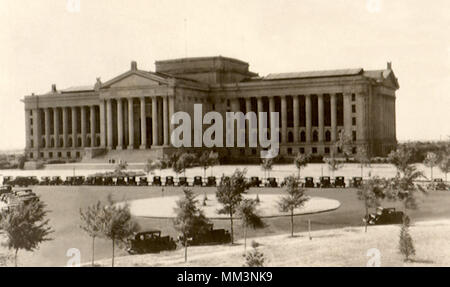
(44, 42)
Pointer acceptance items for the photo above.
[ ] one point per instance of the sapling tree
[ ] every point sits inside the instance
(266, 165)
(371, 193)
(431, 160)
(301, 161)
(249, 217)
(91, 223)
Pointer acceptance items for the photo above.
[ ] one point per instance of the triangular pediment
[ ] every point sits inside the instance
(135, 79)
(390, 80)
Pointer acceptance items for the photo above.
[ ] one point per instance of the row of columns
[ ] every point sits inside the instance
(347, 102)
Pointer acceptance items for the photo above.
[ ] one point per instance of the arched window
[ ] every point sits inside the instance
(97, 143)
(88, 141)
(61, 142)
(315, 136)
(78, 142)
(290, 137)
(52, 143)
(70, 141)
(327, 136)
(302, 137)
(43, 143)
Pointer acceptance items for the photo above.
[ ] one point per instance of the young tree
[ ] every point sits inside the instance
(208, 159)
(266, 165)
(230, 194)
(444, 165)
(362, 158)
(406, 245)
(249, 217)
(117, 224)
(190, 219)
(371, 193)
(431, 160)
(344, 144)
(25, 226)
(120, 167)
(333, 163)
(186, 160)
(401, 158)
(301, 161)
(150, 166)
(91, 222)
(254, 258)
(295, 198)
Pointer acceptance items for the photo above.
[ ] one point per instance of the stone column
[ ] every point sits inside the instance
(109, 122)
(74, 126)
(65, 126)
(333, 117)
(347, 114)
(119, 124)
(165, 121)
(56, 125)
(130, 124)
(283, 119)
(38, 127)
(249, 123)
(47, 127)
(360, 116)
(92, 126)
(171, 112)
(102, 124)
(27, 129)
(296, 108)
(321, 116)
(271, 109)
(83, 126)
(308, 117)
(144, 124)
(260, 107)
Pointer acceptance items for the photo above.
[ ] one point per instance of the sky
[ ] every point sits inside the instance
(71, 42)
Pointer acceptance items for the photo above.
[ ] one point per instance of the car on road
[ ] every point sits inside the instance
(384, 216)
(157, 181)
(211, 181)
(356, 182)
(210, 236)
(339, 181)
(198, 181)
(150, 241)
(169, 181)
(309, 181)
(254, 181)
(324, 182)
(271, 182)
(182, 181)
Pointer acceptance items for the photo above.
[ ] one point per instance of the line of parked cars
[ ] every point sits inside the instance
(11, 197)
(254, 181)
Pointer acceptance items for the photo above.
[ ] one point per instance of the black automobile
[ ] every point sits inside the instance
(150, 241)
(131, 180)
(56, 180)
(309, 181)
(339, 181)
(437, 184)
(210, 236)
(120, 180)
(182, 181)
(211, 181)
(157, 181)
(325, 182)
(98, 180)
(356, 181)
(384, 216)
(169, 181)
(89, 180)
(78, 180)
(198, 181)
(69, 180)
(224, 178)
(143, 181)
(108, 181)
(45, 180)
(254, 181)
(7, 180)
(271, 182)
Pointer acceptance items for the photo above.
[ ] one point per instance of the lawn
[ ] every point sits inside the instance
(65, 202)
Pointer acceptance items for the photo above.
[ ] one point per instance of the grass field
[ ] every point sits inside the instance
(65, 202)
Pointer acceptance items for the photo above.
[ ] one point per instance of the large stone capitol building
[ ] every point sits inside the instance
(130, 114)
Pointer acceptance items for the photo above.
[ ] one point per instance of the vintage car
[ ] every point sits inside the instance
(24, 181)
(98, 180)
(120, 180)
(437, 184)
(56, 180)
(324, 182)
(198, 181)
(169, 181)
(45, 180)
(131, 180)
(356, 181)
(271, 182)
(182, 181)
(309, 181)
(143, 181)
(224, 178)
(78, 180)
(156, 181)
(210, 236)
(25, 195)
(254, 181)
(339, 181)
(150, 241)
(211, 181)
(69, 180)
(384, 216)
(108, 181)
(7, 180)
(5, 189)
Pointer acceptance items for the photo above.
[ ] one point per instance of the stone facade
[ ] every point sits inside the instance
(133, 110)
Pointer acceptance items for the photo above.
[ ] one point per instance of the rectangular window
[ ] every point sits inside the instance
(50, 155)
(59, 154)
(314, 150)
(31, 143)
(353, 97)
(327, 150)
(68, 154)
(302, 150)
(354, 121)
(354, 135)
(31, 155)
(353, 108)
(289, 151)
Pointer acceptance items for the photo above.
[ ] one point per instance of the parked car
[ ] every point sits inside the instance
(45, 180)
(69, 180)
(356, 182)
(120, 180)
(198, 181)
(339, 181)
(5, 189)
(169, 181)
(98, 180)
(384, 216)
(150, 241)
(182, 181)
(108, 180)
(254, 181)
(22, 181)
(211, 181)
(25, 195)
(7, 180)
(143, 181)
(437, 184)
(131, 180)
(271, 182)
(156, 181)
(224, 178)
(56, 180)
(325, 182)
(211, 236)
(309, 181)
(78, 180)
